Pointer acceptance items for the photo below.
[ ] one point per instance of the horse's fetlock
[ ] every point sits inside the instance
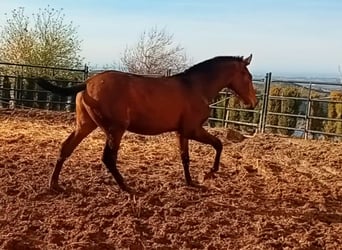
(61, 159)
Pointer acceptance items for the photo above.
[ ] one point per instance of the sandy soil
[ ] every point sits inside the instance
(271, 192)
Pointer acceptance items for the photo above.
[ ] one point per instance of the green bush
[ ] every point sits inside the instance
(234, 102)
(316, 110)
(274, 106)
(334, 111)
(218, 113)
(289, 106)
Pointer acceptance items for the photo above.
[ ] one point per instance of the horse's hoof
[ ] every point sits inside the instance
(196, 186)
(56, 188)
(127, 189)
(214, 170)
(193, 184)
(209, 175)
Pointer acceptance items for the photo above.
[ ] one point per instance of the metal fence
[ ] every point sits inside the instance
(15, 93)
(222, 104)
(18, 90)
(304, 118)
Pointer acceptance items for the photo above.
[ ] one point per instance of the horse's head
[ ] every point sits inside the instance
(241, 83)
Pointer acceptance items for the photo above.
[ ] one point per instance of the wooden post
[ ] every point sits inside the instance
(307, 115)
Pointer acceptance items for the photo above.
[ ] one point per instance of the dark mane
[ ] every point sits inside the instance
(206, 65)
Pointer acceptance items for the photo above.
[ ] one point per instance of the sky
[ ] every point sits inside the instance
(286, 37)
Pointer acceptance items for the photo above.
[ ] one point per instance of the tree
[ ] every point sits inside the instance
(154, 53)
(45, 40)
(48, 41)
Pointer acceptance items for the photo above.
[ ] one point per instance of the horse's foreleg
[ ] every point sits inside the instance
(109, 158)
(184, 152)
(201, 135)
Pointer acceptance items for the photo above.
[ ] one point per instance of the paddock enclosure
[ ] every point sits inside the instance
(271, 192)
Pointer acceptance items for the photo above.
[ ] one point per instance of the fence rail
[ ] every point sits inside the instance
(16, 91)
(17, 87)
(303, 118)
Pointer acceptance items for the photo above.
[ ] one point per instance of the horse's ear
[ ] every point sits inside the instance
(248, 60)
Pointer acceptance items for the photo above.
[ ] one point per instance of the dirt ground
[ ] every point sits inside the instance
(271, 192)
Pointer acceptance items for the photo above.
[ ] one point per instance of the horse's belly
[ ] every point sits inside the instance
(152, 127)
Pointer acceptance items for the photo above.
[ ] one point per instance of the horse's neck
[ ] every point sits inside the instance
(211, 85)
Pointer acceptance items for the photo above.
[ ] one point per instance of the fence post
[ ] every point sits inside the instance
(6, 92)
(307, 114)
(263, 105)
(267, 98)
(18, 94)
(86, 72)
(1, 91)
(226, 110)
(168, 72)
(262, 122)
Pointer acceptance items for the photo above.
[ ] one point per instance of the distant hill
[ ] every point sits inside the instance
(321, 84)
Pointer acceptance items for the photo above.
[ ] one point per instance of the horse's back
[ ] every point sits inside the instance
(147, 105)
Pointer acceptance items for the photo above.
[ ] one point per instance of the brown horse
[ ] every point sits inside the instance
(117, 101)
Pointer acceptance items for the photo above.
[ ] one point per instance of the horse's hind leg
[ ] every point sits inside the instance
(84, 126)
(110, 154)
(68, 146)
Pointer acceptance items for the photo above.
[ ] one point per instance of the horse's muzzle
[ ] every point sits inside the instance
(252, 104)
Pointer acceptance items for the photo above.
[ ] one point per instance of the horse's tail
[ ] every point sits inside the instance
(63, 91)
